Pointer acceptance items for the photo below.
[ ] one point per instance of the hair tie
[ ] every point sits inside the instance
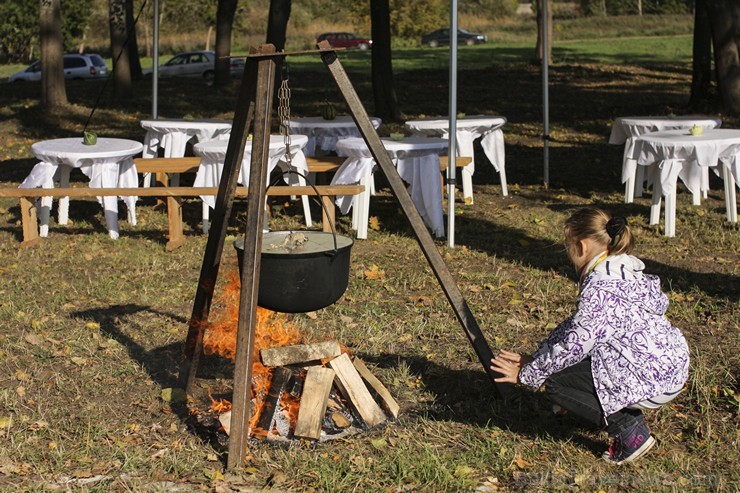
(615, 228)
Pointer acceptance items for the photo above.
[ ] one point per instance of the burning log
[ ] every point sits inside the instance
(280, 379)
(351, 385)
(314, 401)
(300, 353)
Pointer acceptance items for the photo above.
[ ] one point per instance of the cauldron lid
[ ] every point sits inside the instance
(301, 242)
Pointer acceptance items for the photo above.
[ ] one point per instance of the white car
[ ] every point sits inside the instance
(86, 66)
(197, 64)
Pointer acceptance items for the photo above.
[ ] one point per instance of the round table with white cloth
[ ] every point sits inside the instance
(677, 154)
(469, 128)
(109, 164)
(323, 134)
(213, 153)
(627, 129)
(417, 162)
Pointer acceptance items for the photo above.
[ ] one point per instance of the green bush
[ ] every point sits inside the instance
(631, 7)
(489, 8)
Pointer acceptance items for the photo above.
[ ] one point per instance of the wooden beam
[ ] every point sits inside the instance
(278, 190)
(314, 399)
(299, 353)
(354, 390)
(280, 378)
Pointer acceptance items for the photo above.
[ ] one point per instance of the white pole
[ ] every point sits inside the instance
(155, 60)
(452, 149)
(545, 92)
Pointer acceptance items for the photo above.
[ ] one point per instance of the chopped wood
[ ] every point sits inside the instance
(225, 420)
(339, 420)
(386, 400)
(313, 402)
(300, 353)
(351, 385)
(280, 378)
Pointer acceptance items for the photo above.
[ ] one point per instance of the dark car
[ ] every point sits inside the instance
(442, 37)
(345, 40)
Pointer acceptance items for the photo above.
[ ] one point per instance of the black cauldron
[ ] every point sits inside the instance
(301, 271)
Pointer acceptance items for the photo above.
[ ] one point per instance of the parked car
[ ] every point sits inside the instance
(345, 40)
(442, 37)
(197, 64)
(77, 66)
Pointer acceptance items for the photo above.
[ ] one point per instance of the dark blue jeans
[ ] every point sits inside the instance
(573, 389)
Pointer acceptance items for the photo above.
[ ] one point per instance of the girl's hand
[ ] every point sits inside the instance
(509, 364)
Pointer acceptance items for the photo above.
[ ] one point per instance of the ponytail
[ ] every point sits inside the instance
(613, 233)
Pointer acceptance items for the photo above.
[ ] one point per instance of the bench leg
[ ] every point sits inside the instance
(29, 222)
(174, 220)
(327, 214)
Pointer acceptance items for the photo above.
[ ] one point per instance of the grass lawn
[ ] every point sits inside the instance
(93, 329)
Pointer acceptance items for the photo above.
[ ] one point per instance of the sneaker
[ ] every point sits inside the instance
(559, 411)
(629, 445)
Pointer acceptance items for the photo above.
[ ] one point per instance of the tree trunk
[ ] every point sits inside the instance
(384, 92)
(53, 91)
(133, 46)
(224, 21)
(119, 52)
(702, 62)
(539, 47)
(724, 19)
(277, 23)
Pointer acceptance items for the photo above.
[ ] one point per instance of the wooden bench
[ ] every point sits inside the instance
(174, 196)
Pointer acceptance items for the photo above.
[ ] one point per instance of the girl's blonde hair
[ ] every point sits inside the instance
(591, 222)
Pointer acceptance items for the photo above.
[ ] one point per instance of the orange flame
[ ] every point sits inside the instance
(272, 330)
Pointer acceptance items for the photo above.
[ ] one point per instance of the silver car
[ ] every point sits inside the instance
(84, 66)
(197, 64)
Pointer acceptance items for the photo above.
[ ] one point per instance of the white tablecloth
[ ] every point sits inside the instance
(109, 164)
(173, 135)
(417, 162)
(469, 129)
(626, 130)
(213, 153)
(324, 134)
(677, 154)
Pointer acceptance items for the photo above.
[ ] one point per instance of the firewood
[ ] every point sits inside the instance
(314, 399)
(225, 420)
(351, 385)
(280, 378)
(300, 353)
(386, 400)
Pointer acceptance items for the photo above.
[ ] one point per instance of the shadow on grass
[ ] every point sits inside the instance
(467, 396)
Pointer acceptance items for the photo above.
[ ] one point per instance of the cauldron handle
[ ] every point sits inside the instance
(321, 202)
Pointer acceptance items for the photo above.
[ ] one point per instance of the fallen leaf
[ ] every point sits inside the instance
(374, 273)
(523, 242)
(22, 376)
(173, 394)
(378, 443)
(20, 392)
(463, 471)
(312, 315)
(158, 454)
(92, 326)
(78, 361)
(32, 338)
(5, 422)
(521, 463)
(374, 223)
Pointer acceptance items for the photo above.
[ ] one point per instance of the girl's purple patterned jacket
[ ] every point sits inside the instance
(620, 323)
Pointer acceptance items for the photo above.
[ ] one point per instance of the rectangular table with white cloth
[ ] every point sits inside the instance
(323, 134)
(213, 153)
(108, 163)
(627, 129)
(677, 154)
(417, 162)
(470, 128)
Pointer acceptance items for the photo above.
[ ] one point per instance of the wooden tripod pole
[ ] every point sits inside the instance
(446, 281)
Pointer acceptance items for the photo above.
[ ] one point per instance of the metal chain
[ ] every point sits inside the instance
(284, 117)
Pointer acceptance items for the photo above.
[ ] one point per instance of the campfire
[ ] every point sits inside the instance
(316, 391)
